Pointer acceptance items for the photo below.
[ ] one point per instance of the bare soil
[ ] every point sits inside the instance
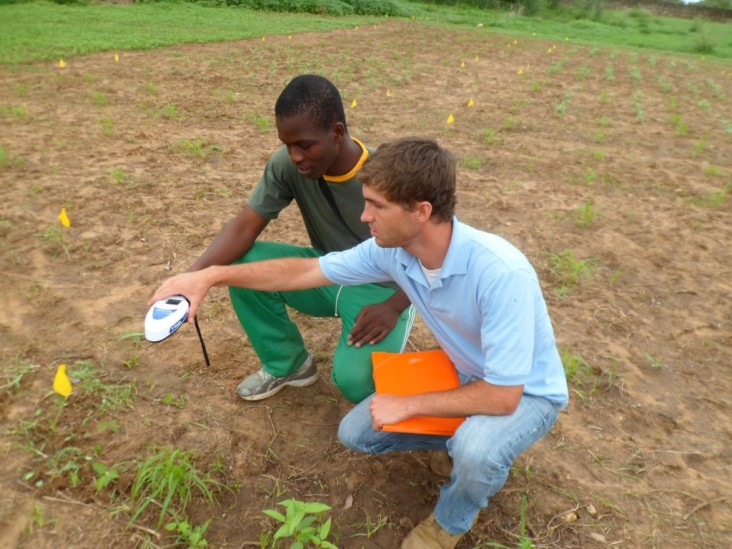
(150, 154)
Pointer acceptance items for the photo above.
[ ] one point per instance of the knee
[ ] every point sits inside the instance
(354, 392)
(347, 434)
(355, 431)
(470, 456)
(354, 380)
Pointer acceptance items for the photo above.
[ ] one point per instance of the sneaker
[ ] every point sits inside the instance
(430, 535)
(261, 385)
(441, 464)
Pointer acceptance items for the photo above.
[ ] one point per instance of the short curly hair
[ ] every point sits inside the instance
(315, 95)
(411, 170)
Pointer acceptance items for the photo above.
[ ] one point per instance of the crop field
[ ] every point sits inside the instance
(609, 167)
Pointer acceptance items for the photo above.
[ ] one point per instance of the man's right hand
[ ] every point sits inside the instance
(194, 286)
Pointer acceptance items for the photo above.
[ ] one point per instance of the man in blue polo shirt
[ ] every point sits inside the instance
(480, 297)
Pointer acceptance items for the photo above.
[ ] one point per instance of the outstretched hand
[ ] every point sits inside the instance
(374, 323)
(194, 286)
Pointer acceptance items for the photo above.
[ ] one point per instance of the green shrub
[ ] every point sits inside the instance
(320, 7)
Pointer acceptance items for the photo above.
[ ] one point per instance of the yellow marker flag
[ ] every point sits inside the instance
(116, 57)
(289, 37)
(476, 58)
(354, 104)
(462, 65)
(388, 92)
(61, 63)
(471, 102)
(264, 39)
(64, 218)
(61, 383)
(450, 119)
(521, 71)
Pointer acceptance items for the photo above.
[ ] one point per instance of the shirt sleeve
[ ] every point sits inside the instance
(507, 330)
(273, 193)
(361, 264)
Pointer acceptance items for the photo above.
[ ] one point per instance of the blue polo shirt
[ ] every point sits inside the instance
(485, 309)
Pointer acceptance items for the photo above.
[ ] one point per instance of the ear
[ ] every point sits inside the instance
(423, 211)
(339, 132)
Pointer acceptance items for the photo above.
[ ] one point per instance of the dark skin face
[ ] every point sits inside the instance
(317, 151)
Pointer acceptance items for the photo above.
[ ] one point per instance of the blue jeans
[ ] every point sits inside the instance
(482, 450)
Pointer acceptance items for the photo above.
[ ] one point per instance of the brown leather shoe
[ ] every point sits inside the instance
(440, 463)
(430, 535)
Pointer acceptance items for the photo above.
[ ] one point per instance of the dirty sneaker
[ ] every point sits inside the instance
(261, 385)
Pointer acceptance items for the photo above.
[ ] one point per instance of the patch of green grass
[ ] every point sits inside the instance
(713, 171)
(13, 374)
(168, 111)
(111, 397)
(38, 31)
(585, 214)
(640, 114)
(583, 72)
(635, 75)
(99, 99)
(567, 272)
(194, 147)
(590, 176)
(561, 107)
(714, 199)
(512, 123)
(262, 122)
(491, 136)
(107, 126)
(17, 111)
(609, 72)
(679, 124)
(169, 478)
(472, 162)
(654, 362)
(44, 31)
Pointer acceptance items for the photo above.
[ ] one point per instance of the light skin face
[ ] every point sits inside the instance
(391, 224)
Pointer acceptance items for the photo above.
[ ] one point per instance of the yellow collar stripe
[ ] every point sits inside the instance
(354, 171)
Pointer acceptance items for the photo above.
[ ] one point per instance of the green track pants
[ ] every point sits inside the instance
(277, 340)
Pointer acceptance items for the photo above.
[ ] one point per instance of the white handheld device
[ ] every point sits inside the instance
(165, 317)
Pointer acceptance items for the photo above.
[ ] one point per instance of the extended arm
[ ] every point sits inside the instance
(478, 397)
(275, 275)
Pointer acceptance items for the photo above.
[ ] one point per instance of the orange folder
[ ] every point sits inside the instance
(411, 374)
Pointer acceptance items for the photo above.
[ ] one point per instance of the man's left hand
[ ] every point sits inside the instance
(373, 324)
(388, 409)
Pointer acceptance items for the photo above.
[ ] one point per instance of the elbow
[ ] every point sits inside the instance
(508, 401)
(509, 408)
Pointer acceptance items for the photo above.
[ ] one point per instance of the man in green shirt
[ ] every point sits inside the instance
(317, 168)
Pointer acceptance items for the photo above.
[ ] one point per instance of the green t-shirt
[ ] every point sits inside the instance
(281, 183)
